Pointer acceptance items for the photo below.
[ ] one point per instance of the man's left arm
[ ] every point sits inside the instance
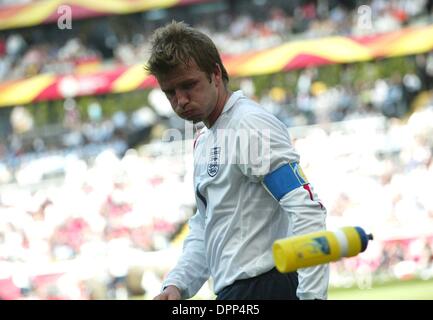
(283, 178)
(307, 215)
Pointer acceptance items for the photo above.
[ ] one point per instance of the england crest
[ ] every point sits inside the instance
(214, 161)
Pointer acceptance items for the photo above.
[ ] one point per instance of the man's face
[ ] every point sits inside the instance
(191, 92)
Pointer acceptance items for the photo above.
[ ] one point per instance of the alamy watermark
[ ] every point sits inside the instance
(364, 18)
(248, 148)
(65, 17)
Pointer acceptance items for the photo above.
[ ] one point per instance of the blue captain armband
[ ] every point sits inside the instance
(285, 179)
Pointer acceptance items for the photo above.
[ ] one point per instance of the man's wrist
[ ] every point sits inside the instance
(311, 296)
(178, 286)
(171, 285)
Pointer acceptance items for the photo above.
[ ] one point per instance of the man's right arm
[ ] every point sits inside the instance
(191, 271)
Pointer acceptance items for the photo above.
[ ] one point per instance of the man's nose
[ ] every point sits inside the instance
(182, 98)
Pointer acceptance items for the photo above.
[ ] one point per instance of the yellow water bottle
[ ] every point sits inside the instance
(320, 247)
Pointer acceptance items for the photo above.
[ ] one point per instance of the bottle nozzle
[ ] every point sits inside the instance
(370, 236)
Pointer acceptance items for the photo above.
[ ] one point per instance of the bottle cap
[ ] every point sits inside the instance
(364, 238)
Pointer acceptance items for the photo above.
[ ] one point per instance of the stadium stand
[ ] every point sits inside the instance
(83, 178)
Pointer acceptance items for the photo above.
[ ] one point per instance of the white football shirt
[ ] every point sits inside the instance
(237, 219)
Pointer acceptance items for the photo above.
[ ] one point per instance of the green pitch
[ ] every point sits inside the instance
(396, 290)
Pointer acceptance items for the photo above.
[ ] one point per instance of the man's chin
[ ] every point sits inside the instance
(194, 119)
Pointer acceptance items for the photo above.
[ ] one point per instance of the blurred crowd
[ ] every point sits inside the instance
(236, 27)
(371, 172)
(380, 171)
(80, 130)
(110, 211)
(315, 102)
(85, 213)
(403, 259)
(377, 175)
(303, 98)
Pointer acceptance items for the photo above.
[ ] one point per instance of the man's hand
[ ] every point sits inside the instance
(169, 293)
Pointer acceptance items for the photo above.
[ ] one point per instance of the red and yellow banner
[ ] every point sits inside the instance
(48, 11)
(332, 50)
(51, 87)
(288, 56)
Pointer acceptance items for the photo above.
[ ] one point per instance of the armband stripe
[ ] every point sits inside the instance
(285, 179)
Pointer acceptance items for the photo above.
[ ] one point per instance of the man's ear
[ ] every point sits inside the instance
(217, 73)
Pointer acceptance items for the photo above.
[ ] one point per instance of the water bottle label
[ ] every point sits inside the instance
(316, 247)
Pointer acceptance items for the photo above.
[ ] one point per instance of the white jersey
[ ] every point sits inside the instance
(237, 219)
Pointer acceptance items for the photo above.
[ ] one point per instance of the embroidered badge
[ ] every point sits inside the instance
(299, 173)
(214, 164)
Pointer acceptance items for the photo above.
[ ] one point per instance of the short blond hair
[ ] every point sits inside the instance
(177, 43)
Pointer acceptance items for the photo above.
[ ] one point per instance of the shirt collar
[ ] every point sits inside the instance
(232, 100)
(235, 96)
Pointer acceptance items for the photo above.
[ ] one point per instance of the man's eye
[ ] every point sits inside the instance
(189, 85)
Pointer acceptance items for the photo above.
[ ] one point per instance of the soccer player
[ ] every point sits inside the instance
(244, 202)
